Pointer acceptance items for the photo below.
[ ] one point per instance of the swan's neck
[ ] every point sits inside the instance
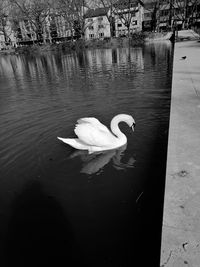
(114, 126)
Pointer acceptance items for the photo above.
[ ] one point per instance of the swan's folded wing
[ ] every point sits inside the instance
(94, 136)
(95, 122)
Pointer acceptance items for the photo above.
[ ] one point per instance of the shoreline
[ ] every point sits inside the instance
(138, 39)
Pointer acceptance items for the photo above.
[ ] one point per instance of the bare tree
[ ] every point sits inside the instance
(111, 14)
(4, 19)
(34, 13)
(125, 10)
(178, 11)
(73, 11)
(62, 9)
(184, 11)
(152, 8)
(193, 11)
(154, 16)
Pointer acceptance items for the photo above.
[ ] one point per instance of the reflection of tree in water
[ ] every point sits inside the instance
(114, 56)
(94, 163)
(38, 232)
(82, 59)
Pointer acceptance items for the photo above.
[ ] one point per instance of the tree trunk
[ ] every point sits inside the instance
(5, 35)
(185, 14)
(128, 28)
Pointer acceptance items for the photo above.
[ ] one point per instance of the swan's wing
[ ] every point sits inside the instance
(95, 122)
(92, 135)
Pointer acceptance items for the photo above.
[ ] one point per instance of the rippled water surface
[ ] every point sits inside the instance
(64, 207)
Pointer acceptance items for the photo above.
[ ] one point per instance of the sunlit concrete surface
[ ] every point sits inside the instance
(181, 222)
(188, 35)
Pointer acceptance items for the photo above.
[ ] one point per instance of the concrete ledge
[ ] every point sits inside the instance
(181, 220)
(187, 35)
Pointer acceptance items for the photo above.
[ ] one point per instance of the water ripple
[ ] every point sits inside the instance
(42, 97)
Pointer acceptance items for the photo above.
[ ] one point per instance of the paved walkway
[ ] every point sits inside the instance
(187, 35)
(181, 221)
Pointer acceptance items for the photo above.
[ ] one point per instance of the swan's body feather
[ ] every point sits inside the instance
(94, 136)
(93, 133)
(93, 121)
(74, 142)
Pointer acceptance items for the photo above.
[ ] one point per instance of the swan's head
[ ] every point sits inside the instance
(126, 118)
(131, 122)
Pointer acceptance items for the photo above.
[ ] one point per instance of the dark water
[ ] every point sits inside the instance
(64, 208)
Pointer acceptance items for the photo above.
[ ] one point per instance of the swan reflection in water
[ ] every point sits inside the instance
(94, 163)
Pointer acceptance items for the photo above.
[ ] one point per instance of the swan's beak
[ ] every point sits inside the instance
(133, 127)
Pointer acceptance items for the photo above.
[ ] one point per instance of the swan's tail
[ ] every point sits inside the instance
(75, 143)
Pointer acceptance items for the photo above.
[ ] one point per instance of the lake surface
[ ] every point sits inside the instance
(63, 207)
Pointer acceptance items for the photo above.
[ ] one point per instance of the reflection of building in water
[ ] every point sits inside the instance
(158, 51)
(44, 67)
(99, 57)
(130, 55)
(10, 66)
(107, 57)
(52, 65)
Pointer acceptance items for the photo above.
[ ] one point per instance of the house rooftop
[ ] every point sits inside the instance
(96, 12)
(125, 3)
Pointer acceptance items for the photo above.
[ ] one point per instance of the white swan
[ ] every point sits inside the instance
(94, 136)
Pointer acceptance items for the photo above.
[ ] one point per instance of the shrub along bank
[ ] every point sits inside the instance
(135, 39)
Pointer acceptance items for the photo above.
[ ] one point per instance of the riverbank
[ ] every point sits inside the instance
(7, 51)
(181, 220)
(79, 45)
(136, 39)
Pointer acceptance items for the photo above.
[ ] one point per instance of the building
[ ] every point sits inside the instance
(166, 15)
(123, 18)
(97, 25)
(150, 15)
(185, 14)
(128, 17)
(7, 36)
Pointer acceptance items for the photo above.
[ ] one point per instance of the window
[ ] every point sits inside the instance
(100, 18)
(150, 5)
(119, 25)
(100, 26)
(164, 13)
(148, 15)
(134, 22)
(101, 34)
(91, 36)
(91, 28)
(90, 20)
(133, 5)
(164, 2)
(179, 11)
